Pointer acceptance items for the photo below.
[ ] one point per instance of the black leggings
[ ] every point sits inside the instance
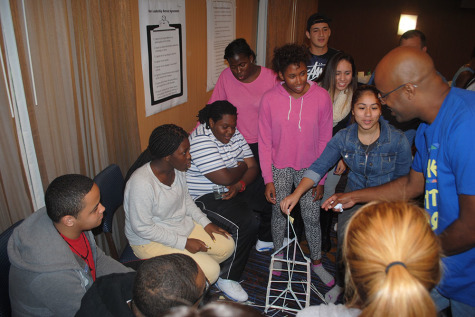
(241, 218)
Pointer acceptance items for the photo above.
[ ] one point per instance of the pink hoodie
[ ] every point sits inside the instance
(293, 132)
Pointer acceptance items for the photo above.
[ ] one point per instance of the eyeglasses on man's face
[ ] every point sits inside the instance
(382, 97)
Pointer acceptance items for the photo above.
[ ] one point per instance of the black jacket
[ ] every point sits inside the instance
(108, 296)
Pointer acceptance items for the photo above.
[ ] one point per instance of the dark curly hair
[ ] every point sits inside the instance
(237, 47)
(287, 55)
(215, 111)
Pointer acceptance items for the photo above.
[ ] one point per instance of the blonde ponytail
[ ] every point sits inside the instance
(392, 260)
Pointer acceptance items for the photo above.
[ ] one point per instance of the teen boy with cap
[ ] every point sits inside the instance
(318, 32)
(54, 258)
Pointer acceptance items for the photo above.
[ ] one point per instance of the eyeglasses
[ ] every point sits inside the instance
(383, 97)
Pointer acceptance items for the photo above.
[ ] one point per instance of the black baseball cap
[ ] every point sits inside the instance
(317, 18)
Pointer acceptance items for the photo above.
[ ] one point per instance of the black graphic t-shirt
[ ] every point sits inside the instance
(317, 63)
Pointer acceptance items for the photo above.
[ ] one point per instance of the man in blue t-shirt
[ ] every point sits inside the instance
(443, 167)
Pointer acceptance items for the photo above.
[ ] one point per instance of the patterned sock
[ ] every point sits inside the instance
(323, 274)
(333, 294)
(277, 265)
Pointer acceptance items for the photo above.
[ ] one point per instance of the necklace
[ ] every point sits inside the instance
(76, 251)
(85, 258)
(372, 139)
(367, 149)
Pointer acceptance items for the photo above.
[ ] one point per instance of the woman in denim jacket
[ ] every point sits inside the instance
(375, 153)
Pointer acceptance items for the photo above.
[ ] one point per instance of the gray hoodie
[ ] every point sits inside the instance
(46, 277)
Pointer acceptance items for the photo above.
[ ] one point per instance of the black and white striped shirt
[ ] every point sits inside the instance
(208, 154)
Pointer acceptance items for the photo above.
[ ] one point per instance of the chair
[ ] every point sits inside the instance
(5, 307)
(111, 184)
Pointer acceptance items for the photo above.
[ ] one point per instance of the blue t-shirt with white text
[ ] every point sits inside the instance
(446, 157)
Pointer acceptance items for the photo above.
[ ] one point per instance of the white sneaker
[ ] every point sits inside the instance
(232, 289)
(262, 246)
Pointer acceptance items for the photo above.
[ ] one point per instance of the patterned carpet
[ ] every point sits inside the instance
(256, 274)
(256, 277)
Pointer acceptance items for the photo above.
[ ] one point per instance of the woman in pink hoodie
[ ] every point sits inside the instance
(295, 124)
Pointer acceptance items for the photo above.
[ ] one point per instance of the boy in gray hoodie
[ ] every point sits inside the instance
(53, 253)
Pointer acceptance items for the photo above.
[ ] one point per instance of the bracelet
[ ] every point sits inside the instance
(243, 186)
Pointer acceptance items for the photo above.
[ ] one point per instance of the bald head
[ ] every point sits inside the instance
(413, 71)
(403, 64)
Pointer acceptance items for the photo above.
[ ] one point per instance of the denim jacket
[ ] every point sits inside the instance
(389, 159)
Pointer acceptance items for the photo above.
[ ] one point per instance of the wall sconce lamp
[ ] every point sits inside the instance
(406, 22)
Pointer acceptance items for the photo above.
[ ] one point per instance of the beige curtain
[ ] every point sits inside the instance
(15, 202)
(82, 60)
(286, 23)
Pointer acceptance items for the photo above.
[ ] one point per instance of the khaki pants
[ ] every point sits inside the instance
(220, 250)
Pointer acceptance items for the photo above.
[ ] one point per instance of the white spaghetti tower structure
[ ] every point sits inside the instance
(295, 293)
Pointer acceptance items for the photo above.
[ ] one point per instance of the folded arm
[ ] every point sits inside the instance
(228, 175)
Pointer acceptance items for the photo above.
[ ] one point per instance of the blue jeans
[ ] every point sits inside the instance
(458, 309)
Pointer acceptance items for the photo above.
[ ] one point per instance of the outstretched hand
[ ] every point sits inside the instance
(344, 199)
(212, 228)
(289, 202)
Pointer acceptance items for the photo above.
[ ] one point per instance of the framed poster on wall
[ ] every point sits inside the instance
(163, 45)
(221, 30)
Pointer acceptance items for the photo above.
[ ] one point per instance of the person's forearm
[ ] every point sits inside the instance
(228, 176)
(304, 185)
(250, 175)
(399, 189)
(237, 173)
(457, 238)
